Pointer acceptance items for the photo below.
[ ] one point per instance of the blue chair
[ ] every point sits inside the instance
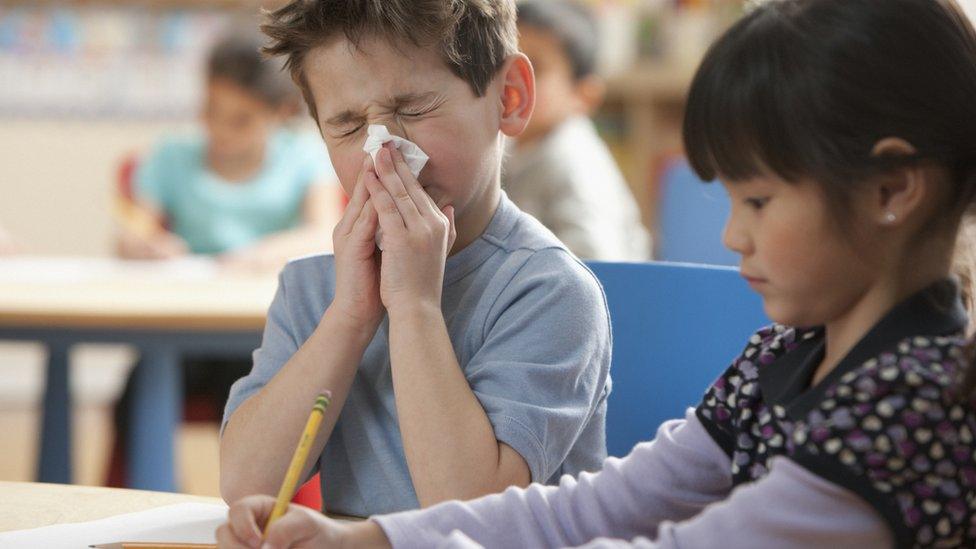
(676, 328)
(692, 216)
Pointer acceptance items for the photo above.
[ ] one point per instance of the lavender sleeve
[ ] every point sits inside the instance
(791, 507)
(672, 478)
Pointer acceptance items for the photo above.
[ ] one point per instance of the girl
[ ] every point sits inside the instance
(247, 190)
(844, 131)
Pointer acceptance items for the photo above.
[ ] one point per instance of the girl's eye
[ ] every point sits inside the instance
(757, 203)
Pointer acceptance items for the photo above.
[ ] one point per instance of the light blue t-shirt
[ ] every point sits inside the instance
(214, 215)
(531, 331)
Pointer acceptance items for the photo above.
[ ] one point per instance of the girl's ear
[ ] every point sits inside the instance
(517, 94)
(897, 195)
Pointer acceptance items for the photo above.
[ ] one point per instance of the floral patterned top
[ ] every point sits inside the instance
(887, 423)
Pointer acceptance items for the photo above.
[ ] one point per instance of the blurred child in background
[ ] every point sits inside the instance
(248, 190)
(560, 171)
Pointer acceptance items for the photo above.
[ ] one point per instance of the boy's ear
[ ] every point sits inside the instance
(517, 94)
(902, 192)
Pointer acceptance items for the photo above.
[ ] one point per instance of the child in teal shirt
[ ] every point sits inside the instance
(247, 190)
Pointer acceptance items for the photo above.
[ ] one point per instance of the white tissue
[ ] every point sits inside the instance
(416, 159)
(377, 135)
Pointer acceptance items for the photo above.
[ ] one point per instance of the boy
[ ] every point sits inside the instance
(472, 353)
(560, 171)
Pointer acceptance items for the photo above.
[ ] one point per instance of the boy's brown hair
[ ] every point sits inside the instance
(474, 37)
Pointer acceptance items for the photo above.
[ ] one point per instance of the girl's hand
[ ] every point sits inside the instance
(417, 235)
(8, 245)
(357, 267)
(299, 527)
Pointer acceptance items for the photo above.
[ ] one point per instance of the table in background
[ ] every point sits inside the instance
(164, 309)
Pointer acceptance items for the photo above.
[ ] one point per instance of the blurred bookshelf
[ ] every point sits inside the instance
(651, 49)
(109, 59)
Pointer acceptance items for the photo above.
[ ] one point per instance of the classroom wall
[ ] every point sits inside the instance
(57, 179)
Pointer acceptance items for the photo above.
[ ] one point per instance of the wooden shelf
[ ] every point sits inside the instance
(651, 98)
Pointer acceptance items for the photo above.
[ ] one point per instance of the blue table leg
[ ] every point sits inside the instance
(156, 409)
(54, 461)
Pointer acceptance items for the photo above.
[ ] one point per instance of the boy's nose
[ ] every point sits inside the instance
(397, 128)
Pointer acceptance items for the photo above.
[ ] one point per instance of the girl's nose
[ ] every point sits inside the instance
(734, 236)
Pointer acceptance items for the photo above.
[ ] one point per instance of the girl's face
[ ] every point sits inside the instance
(793, 252)
(238, 124)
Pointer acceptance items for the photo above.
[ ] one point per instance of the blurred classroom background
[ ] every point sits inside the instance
(85, 84)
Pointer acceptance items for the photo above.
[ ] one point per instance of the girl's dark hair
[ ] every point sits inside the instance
(805, 89)
(237, 58)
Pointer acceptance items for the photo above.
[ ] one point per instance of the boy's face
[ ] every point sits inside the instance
(557, 93)
(413, 93)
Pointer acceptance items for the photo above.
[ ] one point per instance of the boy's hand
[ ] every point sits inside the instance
(357, 267)
(417, 235)
(300, 527)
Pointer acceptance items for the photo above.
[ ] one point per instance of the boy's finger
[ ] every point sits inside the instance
(356, 201)
(386, 209)
(448, 211)
(365, 227)
(391, 181)
(425, 204)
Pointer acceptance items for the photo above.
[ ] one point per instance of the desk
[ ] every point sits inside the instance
(32, 505)
(164, 309)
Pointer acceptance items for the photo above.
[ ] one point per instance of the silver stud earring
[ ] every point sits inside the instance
(890, 217)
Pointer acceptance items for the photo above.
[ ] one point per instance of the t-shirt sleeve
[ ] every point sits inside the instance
(157, 173)
(278, 344)
(542, 372)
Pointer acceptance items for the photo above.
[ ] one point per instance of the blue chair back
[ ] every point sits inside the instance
(692, 216)
(676, 328)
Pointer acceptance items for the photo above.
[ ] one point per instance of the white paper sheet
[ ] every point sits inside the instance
(183, 522)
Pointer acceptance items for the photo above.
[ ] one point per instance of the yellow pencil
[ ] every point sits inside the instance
(298, 460)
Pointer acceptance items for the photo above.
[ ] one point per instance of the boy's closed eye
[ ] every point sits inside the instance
(349, 132)
(349, 123)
